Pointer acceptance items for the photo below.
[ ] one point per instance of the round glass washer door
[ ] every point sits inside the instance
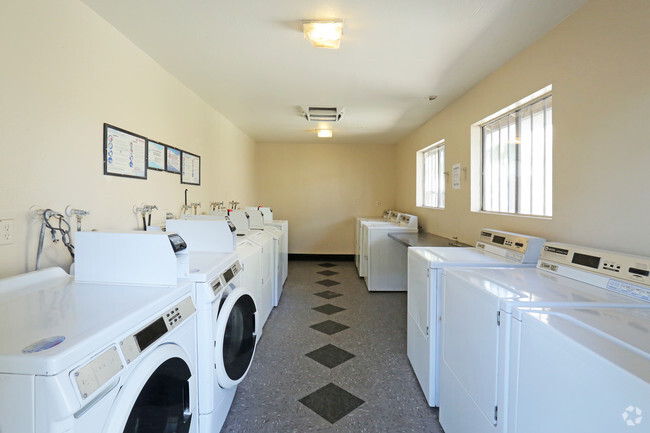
(236, 337)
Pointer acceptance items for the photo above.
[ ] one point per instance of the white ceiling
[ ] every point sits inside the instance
(249, 60)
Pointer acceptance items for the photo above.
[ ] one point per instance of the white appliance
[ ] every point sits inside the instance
(357, 234)
(228, 329)
(227, 321)
(494, 249)
(283, 225)
(384, 257)
(218, 234)
(391, 220)
(477, 321)
(96, 357)
(256, 220)
(269, 246)
(579, 369)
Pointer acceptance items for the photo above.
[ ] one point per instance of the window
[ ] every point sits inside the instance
(516, 159)
(431, 176)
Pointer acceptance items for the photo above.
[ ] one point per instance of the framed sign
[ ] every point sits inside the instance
(157, 156)
(173, 160)
(191, 168)
(125, 153)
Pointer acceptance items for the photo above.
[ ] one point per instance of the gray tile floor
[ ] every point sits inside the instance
(377, 385)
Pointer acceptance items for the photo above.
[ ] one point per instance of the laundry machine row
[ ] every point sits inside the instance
(536, 350)
(123, 346)
(494, 249)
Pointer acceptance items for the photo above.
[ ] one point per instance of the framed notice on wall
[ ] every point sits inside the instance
(125, 153)
(157, 155)
(191, 168)
(173, 162)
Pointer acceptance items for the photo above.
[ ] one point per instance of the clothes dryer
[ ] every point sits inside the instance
(579, 369)
(494, 249)
(357, 234)
(477, 317)
(385, 260)
(96, 357)
(391, 221)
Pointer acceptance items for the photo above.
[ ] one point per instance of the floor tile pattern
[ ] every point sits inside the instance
(328, 294)
(274, 397)
(327, 265)
(328, 283)
(327, 273)
(330, 356)
(331, 402)
(329, 327)
(328, 309)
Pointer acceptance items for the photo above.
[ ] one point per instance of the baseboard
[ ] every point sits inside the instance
(323, 257)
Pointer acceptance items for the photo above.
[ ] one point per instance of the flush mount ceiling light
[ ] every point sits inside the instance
(323, 33)
(324, 133)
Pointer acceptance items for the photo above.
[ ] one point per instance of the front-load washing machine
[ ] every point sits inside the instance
(494, 249)
(214, 234)
(100, 358)
(256, 221)
(384, 257)
(477, 315)
(269, 245)
(227, 333)
(283, 225)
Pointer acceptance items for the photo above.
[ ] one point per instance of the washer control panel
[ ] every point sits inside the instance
(136, 343)
(93, 375)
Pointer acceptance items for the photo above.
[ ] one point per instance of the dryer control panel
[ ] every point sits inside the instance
(513, 246)
(609, 264)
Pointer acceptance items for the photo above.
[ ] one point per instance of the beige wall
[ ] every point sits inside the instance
(321, 188)
(598, 62)
(65, 72)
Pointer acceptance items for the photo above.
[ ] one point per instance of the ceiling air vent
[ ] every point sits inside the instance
(322, 114)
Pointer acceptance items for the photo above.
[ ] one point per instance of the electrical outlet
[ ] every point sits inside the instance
(6, 231)
(378, 203)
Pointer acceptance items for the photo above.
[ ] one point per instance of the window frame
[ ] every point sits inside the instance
(420, 198)
(477, 157)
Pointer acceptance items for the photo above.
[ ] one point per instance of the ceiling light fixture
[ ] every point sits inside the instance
(324, 133)
(323, 33)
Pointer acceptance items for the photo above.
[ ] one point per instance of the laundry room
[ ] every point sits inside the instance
(325, 217)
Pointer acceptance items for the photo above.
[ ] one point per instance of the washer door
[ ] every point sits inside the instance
(156, 397)
(236, 337)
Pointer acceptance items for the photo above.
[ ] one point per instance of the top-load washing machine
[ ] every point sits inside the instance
(357, 234)
(384, 257)
(227, 319)
(494, 249)
(283, 225)
(579, 369)
(477, 317)
(97, 357)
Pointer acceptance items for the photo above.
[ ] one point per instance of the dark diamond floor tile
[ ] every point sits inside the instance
(331, 402)
(330, 356)
(327, 283)
(327, 265)
(328, 294)
(329, 327)
(328, 309)
(327, 273)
